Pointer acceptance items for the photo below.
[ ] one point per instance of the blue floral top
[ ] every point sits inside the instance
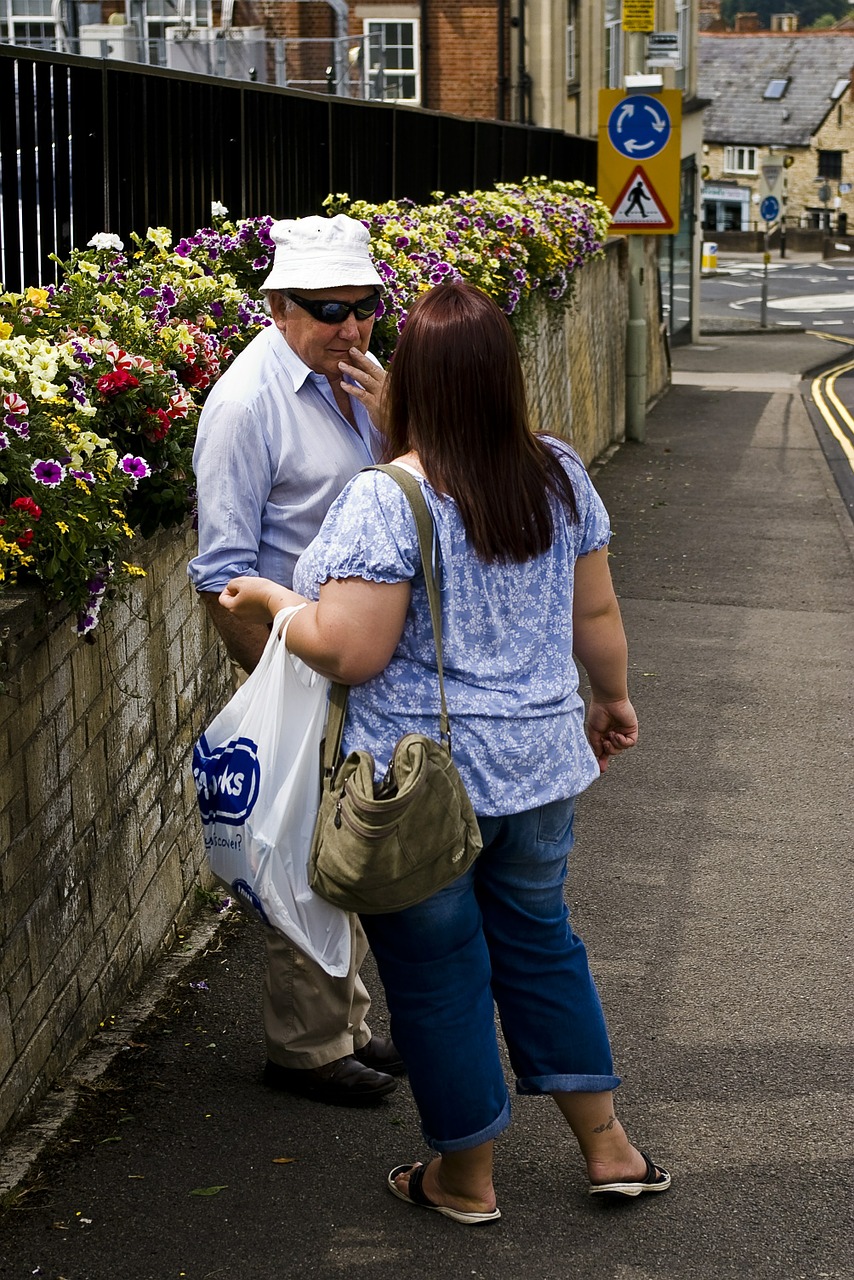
(517, 720)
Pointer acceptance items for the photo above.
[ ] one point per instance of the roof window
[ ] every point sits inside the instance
(840, 87)
(776, 88)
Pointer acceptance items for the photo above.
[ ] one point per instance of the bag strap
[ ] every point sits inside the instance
(428, 547)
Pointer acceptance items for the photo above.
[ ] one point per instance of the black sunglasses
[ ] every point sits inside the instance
(336, 312)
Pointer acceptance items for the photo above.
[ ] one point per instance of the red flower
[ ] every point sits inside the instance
(159, 424)
(26, 538)
(26, 504)
(113, 384)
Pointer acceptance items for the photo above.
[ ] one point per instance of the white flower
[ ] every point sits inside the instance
(106, 240)
(42, 389)
(218, 210)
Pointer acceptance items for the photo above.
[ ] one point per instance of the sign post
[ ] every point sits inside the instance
(770, 194)
(639, 180)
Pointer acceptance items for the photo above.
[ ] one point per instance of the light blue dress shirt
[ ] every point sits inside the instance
(273, 452)
(517, 719)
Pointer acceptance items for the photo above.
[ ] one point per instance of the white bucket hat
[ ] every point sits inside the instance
(320, 253)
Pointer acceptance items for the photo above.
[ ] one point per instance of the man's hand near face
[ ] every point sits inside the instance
(364, 381)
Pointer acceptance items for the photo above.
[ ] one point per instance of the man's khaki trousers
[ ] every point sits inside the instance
(311, 1018)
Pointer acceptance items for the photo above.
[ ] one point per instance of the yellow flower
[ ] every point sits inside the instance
(80, 516)
(134, 570)
(38, 297)
(160, 236)
(62, 526)
(5, 329)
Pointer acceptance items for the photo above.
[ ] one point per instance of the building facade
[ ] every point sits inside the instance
(781, 99)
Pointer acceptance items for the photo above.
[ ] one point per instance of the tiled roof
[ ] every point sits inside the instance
(735, 70)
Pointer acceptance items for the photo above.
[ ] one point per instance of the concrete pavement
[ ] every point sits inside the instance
(709, 882)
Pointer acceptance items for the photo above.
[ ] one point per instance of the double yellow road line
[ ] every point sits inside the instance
(839, 421)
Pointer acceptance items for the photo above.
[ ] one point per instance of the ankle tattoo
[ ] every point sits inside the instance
(609, 1124)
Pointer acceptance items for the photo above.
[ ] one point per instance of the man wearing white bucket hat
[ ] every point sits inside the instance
(280, 435)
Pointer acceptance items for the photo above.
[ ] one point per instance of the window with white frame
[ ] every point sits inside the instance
(740, 160)
(683, 30)
(572, 42)
(613, 44)
(158, 15)
(394, 65)
(29, 22)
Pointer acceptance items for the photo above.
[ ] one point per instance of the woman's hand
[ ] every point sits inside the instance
(611, 727)
(257, 599)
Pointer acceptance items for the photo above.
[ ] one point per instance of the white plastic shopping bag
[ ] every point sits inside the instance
(257, 774)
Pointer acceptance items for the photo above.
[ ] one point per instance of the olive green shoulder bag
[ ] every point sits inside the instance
(381, 847)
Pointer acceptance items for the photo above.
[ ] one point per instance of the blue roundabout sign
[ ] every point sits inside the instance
(639, 127)
(770, 209)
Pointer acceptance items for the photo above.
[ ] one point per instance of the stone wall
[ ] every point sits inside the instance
(98, 827)
(575, 365)
(100, 852)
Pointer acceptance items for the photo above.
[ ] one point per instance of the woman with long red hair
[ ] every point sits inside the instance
(525, 585)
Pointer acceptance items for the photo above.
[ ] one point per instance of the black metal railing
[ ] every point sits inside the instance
(90, 145)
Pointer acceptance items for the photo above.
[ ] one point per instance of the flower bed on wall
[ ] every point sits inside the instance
(104, 374)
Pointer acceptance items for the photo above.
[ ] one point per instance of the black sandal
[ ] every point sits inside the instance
(656, 1180)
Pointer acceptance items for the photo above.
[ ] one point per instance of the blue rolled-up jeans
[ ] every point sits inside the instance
(500, 933)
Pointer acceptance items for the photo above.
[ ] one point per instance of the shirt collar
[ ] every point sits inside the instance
(296, 369)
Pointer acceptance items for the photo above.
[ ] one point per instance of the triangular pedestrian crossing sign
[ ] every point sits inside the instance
(638, 205)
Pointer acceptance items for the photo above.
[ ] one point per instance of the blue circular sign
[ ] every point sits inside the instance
(639, 127)
(769, 208)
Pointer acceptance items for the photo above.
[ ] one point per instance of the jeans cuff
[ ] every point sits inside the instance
(474, 1139)
(567, 1084)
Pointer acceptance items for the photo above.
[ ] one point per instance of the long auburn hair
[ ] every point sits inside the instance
(456, 397)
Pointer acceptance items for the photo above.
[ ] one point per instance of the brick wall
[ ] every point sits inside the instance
(460, 47)
(99, 840)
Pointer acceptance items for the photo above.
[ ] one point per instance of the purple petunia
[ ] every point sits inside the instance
(4, 440)
(147, 292)
(136, 467)
(168, 295)
(47, 472)
(76, 387)
(82, 475)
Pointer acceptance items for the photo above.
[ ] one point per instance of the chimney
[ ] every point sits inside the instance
(784, 22)
(746, 23)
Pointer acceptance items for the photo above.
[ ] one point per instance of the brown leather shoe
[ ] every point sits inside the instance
(381, 1054)
(344, 1083)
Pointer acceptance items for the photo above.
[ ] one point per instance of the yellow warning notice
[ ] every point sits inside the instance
(638, 15)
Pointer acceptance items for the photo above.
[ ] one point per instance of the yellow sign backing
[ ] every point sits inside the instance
(639, 167)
